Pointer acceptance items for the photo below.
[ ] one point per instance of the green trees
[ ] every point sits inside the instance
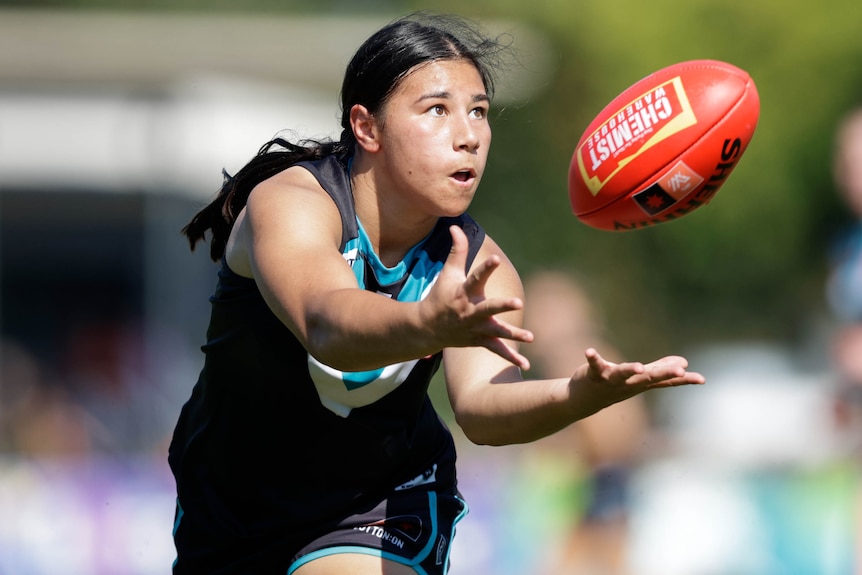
(749, 265)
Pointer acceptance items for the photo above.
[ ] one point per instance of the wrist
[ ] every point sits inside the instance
(424, 325)
(588, 395)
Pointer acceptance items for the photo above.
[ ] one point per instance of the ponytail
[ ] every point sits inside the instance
(273, 157)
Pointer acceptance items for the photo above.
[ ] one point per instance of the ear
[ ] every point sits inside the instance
(365, 128)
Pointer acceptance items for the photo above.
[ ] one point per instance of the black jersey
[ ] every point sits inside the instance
(274, 444)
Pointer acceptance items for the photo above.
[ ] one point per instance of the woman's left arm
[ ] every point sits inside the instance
(495, 405)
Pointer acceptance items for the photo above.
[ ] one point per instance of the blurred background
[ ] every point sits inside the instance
(117, 117)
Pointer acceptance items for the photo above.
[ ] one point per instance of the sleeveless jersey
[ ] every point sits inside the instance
(272, 441)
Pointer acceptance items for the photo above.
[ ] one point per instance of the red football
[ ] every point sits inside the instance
(663, 147)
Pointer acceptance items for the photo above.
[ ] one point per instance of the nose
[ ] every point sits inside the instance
(467, 135)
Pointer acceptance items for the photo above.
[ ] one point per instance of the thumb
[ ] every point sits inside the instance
(458, 252)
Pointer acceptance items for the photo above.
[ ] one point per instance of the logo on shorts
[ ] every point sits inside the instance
(441, 549)
(395, 529)
(429, 476)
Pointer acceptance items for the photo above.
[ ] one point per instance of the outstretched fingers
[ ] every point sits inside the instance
(473, 318)
(671, 371)
(483, 308)
(510, 354)
(478, 278)
(600, 368)
(665, 372)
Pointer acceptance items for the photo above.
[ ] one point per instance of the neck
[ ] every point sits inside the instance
(391, 226)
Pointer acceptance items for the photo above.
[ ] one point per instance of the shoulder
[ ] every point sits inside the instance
(505, 279)
(296, 179)
(490, 247)
(290, 209)
(292, 202)
(291, 195)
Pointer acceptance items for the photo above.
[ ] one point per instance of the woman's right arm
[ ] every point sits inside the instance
(287, 238)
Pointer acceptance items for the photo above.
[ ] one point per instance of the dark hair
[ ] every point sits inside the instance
(375, 71)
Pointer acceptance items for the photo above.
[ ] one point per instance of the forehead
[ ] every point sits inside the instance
(443, 76)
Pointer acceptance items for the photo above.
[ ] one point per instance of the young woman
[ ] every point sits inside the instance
(350, 272)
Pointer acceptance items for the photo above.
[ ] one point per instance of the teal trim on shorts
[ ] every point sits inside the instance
(177, 526)
(357, 550)
(179, 516)
(414, 563)
(460, 516)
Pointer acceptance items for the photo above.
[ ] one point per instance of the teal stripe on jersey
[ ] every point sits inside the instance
(385, 276)
(356, 379)
(422, 276)
(416, 265)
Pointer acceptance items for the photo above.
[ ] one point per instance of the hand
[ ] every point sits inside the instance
(461, 314)
(631, 378)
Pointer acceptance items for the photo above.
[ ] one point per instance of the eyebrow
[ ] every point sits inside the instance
(445, 95)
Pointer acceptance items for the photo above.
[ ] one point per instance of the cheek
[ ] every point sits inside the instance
(486, 143)
(415, 140)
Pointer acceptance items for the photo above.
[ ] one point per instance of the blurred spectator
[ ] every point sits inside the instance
(844, 293)
(606, 446)
(101, 397)
(37, 415)
(104, 369)
(844, 285)
(75, 494)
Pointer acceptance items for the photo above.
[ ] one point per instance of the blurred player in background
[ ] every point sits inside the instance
(608, 444)
(844, 293)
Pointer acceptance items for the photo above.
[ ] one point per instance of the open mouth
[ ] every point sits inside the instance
(463, 175)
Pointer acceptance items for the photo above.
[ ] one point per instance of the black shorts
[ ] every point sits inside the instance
(413, 526)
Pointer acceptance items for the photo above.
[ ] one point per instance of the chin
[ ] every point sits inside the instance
(456, 208)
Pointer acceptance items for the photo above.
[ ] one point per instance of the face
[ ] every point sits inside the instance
(434, 138)
(849, 162)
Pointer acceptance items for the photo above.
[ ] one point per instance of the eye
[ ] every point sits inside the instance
(479, 113)
(437, 110)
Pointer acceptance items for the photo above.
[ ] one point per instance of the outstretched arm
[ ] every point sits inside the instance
(494, 405)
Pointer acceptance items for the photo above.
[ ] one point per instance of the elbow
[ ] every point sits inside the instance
(318, 346)
(339, 353)
(321, 345)
(328, 342)
(481, 431)
(480, 422)
(486, 439)
(476, 437)
(479, 438)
